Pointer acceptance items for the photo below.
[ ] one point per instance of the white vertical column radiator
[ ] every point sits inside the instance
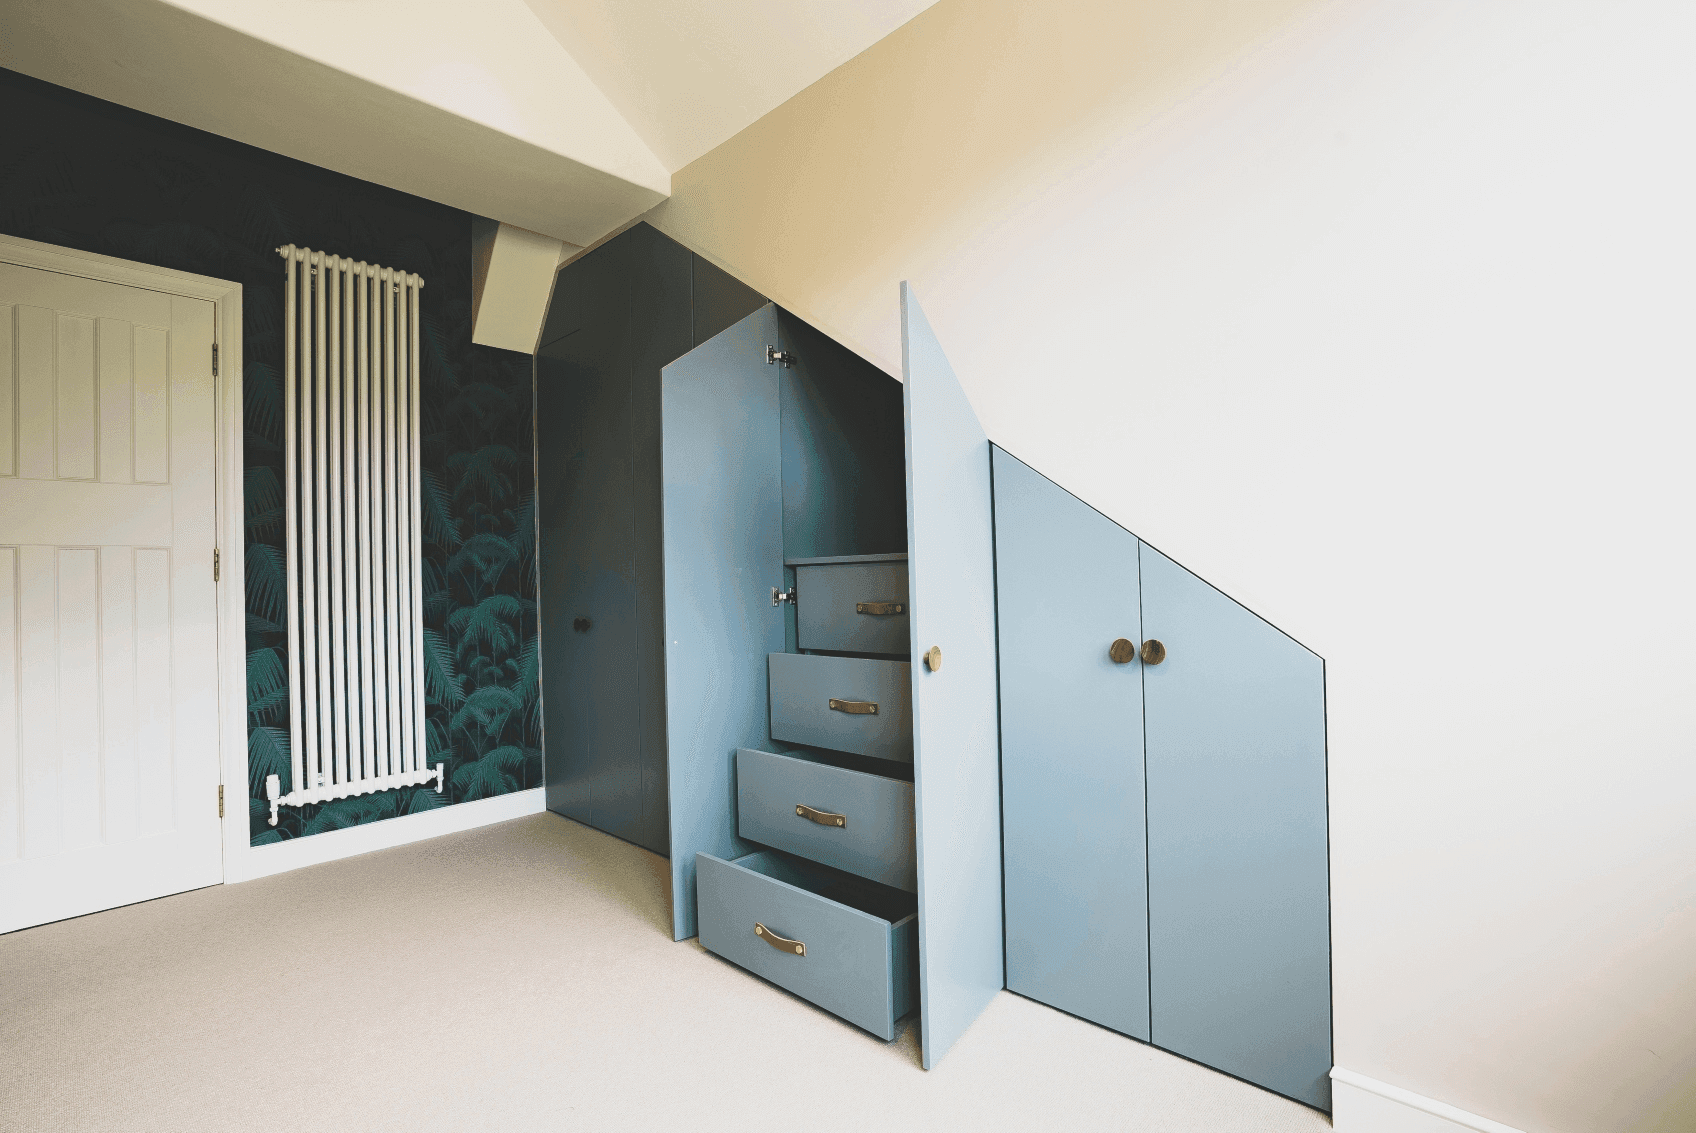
(354, 545)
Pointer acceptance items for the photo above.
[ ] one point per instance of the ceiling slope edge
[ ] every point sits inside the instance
(448, 109)
(688, 76)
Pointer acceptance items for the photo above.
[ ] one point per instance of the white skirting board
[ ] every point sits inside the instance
(1365, 1105)
(249, 862)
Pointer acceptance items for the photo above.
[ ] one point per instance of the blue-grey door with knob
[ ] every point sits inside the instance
(956, 772)
(723, 523)
(1066, 584)
(1238, 878)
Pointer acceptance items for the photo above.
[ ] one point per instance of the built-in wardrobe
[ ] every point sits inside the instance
(773, 563)
(1164, 798)
(772, 580)
(617, 316)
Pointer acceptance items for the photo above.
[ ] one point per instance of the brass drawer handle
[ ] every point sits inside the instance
(779, 942)
(854, 707)
(822, 817)
(881, 608)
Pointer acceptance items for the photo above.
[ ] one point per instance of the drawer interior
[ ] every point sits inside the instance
(880, 901)
(845, 760)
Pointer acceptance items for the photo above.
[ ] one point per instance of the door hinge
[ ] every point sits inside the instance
(214, 359)
(779, 597)
(215, 557)
(776, 357)
(220, 800)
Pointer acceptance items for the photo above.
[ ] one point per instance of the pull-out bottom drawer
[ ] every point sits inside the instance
(842, 942)
(848, 819)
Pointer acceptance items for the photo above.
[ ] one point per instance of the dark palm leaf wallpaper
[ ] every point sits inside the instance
(86, 174)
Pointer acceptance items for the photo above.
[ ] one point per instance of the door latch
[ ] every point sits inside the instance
(779, 597)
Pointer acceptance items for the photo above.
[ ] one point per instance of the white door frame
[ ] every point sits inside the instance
(225, 298)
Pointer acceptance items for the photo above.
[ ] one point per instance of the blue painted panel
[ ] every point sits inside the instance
(584, 501)
(660, 316)
(1239, 922)
(617, 316)
(1066, 586)
(956, 774)
(723, 515)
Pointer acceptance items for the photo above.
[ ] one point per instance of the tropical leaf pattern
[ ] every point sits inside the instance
(86, 174)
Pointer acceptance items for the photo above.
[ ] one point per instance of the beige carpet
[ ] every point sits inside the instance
(518, 977)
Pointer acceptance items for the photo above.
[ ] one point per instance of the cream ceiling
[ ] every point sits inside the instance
(689, 74)
(565, 117)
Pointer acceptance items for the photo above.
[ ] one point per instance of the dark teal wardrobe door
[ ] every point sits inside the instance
(956, 772)
(589, 594)
(723, 524)
(1071, 752)
(1238, 879)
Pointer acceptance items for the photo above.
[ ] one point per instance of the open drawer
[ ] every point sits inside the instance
(847, 944)
(857, 606)
(854, 704)
(852, 820)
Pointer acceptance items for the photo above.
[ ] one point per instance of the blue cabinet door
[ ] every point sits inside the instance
(956, 772)
(1066, 585)
(1238, 880)
(723, 523)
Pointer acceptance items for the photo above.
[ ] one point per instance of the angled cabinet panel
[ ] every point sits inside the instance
(723, 520)
(1238, 885)
(957, 775)
(1071, 752)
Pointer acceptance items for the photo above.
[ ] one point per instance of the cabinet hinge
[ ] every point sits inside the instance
(776, 357)
(779, 597)
(220, 800)
(214, 359)
(215, 557)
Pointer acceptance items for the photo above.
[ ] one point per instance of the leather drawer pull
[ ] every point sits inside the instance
(879, 608)
(779, 942)
(854, 707)
(822, 817)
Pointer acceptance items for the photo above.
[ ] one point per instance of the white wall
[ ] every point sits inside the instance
(1381, 318)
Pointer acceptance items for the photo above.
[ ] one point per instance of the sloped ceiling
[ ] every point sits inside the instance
(689, 74)
(565, 117)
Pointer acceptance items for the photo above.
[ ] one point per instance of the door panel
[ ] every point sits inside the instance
(108, 645)
(589, 614)
(956, 772)
(1066, 584)
(1239, 940)
(723, 556)
(661, 301)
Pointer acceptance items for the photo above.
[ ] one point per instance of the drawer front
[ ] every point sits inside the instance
(858, 822)
(851, 607)
(857, 965)
(823, 702)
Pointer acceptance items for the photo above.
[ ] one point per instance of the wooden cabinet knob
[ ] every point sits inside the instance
(933, 658)
(1122, 651)
(1153, 652)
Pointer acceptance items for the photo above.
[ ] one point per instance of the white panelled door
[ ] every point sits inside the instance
(108, 634)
